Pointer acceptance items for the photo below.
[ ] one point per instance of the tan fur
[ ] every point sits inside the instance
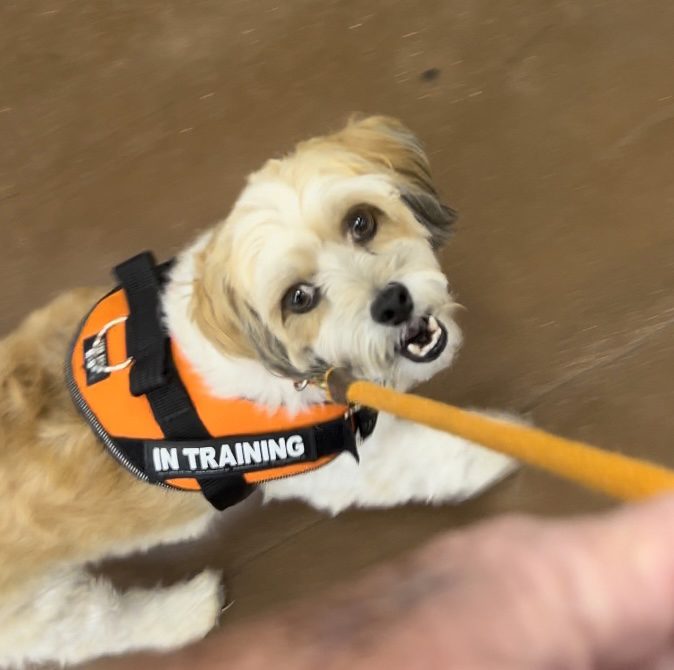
(214, 306)
(65, 498)
(383, 141)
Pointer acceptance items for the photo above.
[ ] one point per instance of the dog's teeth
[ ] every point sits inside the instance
(433, 341)
(429, 346)
(434, 333)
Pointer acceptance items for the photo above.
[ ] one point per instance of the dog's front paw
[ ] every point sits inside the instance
(185, 612)
(488, 467)
(200, 600)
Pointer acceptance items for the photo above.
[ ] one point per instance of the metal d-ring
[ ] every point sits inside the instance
(301, 384)
(96, 346)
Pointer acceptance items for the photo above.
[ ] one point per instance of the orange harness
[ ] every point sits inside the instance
(156, 417)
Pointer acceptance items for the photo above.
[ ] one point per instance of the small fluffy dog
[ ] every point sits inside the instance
(326, 259)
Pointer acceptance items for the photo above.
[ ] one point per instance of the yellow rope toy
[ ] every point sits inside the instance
(611, 473)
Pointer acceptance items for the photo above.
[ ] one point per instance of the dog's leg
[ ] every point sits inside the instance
(401, 462)
(71, 616)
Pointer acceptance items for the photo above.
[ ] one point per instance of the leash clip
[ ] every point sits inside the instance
(95, 359)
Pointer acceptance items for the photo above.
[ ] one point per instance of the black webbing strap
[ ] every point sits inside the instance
(223, 493)
(153, 372)
(154, 375)
(173, 408)
(146, 341)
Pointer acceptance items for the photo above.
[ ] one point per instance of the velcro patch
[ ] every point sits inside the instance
(167, 459)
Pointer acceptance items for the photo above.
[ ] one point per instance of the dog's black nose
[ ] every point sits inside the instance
(392, 306)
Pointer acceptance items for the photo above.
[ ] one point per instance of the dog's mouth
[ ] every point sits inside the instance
(423, 339)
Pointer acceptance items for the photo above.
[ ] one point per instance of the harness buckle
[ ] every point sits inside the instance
(96, 357)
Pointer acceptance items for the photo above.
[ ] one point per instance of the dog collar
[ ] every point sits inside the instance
(156, 417)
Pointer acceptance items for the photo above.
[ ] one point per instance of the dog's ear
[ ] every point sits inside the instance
(225, 317)
(214, 305)
(432, 213)
(386, 142)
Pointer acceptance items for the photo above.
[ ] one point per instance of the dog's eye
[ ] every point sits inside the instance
(300, 298)
(361, 225)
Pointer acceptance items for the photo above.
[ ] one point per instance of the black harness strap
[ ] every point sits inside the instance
(173, 408)
(145, 337)
(154, 375)
(223, 493)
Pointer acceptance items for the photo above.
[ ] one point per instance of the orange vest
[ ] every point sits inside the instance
(237, 444)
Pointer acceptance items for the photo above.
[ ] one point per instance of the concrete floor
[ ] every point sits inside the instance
(550, 124)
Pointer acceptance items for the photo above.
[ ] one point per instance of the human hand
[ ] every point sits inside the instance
(514, 593)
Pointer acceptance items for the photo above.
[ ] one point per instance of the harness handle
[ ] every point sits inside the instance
(146, 341)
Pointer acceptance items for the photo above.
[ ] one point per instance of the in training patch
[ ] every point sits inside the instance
(95, 358)
(169, 459)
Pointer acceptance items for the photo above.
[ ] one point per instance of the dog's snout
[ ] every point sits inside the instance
(392, 306)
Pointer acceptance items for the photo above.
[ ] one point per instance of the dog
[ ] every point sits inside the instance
(327, 258)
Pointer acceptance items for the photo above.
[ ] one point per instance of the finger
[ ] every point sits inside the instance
(619, 575)
(546, 594)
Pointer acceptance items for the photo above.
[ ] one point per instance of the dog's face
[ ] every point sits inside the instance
(327, 259)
